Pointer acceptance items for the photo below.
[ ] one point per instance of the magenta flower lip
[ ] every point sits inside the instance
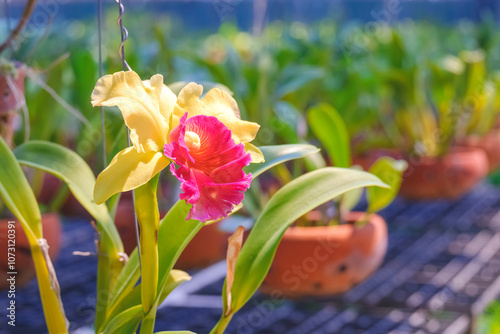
(210, 166)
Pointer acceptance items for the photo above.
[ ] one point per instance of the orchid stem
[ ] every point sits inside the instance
(146, 207)
(222, 324)
(52, 307)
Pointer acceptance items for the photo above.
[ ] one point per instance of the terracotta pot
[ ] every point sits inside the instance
(11, 99)
(366, 160)
(51, 225)
(51, 186)
(125, 223)
(49, 189)
(73, 208)
(206, 248)
(326, 260)
(430, 178)
(448, 177)
(490, 144)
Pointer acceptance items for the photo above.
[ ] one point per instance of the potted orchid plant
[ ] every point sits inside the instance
(207, 147)
(427, 102)
(332, 248)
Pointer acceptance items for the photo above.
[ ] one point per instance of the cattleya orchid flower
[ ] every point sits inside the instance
(205, 137)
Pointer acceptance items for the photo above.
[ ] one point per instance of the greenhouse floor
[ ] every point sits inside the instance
(441, 270)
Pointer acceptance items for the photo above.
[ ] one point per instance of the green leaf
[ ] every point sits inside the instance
(330, 128)
(174, 234)
(125, 322)
(277, 154)
(175, 278)
(296, 78)
(391, 172)
(74, 171)
(351, 198)
(176, 332)
(289, 203)
(17, 194)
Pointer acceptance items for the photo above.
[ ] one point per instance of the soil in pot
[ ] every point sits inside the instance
(490, 144)
(450, 176)
(52, 230)
(326, 260)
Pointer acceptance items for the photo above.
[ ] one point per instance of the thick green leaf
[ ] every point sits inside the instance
(174, 234)
(391, 172)
(289, 203)
(125, 322)
(330, 128)
(16, 193)
(175, 278)
(74, 171)
(351, 198)
(176, 332)
(277, 154)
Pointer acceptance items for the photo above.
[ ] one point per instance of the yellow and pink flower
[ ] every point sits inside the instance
(205, 137)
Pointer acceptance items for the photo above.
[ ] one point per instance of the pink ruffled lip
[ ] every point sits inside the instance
(210, 166)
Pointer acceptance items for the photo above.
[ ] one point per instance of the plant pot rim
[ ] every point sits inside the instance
(453, 152)
(301, 232)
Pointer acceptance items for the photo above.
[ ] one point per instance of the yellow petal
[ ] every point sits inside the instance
(139, 104)
(167, 99)
(128, 170)
(255, 153)
(216, 103)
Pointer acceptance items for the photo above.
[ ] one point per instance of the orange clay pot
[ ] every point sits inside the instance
(326, 260)
(208, 246)
(51, 225)
(51, 186)
(125, 224)
(490, 144)
(430, 178)
(451, 176)
(366, 160)
(11, 99)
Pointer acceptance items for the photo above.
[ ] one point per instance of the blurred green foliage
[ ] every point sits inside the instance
(414, 86)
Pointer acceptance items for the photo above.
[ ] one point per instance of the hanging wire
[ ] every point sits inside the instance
(124, 36)
(103, 119)
(7, 20)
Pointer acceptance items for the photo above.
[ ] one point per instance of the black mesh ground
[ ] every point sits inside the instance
(441, 270)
